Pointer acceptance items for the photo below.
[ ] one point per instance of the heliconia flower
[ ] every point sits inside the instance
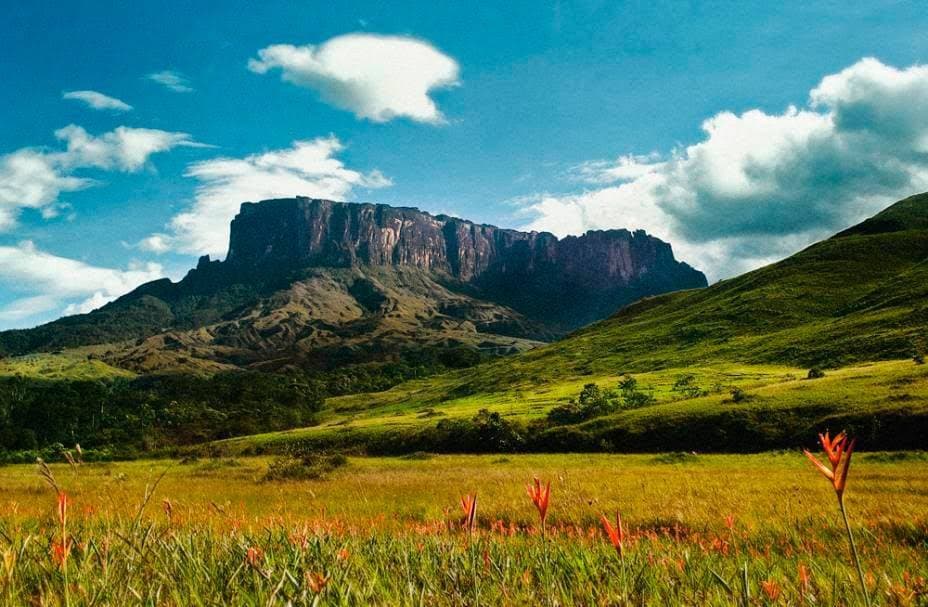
(254, 556)
(838, 450)
(540, 497)
(730, 522)
(804, 579)
(469, 506)
(771, 589)
(343, 554)
(60, 552)
(616, 534)
(316, 581)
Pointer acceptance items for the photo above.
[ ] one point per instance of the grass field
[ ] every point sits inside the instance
(72, 365)
(701, 530)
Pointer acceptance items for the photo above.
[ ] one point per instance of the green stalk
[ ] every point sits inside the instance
(624, 576)
(850, 537)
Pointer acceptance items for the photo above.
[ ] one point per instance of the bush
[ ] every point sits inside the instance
(486, 432)
(569, 413)
(306, 466)
(815, 373)
(686, 386)
(739, 396)
(632, 397)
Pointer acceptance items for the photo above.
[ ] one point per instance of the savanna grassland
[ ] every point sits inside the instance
(696, 530)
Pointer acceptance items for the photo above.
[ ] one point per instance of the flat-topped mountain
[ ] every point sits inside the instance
(563, 283)
(311, 281)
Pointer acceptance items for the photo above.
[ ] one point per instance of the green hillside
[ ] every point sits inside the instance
(859, 296)
(853, 299)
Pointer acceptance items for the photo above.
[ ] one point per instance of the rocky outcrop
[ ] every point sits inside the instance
(566, 282)
(304, 276)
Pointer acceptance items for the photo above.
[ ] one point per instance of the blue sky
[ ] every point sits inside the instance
(740, 132)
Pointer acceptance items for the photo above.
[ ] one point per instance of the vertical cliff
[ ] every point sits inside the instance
(567, 282)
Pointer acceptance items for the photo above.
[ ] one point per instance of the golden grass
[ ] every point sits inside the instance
(399, 519)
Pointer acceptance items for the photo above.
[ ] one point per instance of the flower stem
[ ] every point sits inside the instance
(850, 537)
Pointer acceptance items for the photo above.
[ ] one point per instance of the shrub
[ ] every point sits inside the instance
(306, 466)
(686, 386)
(738, 395)
(632, 397)
(815, 373)
(486, 432)
(592, 402)
(569, 413)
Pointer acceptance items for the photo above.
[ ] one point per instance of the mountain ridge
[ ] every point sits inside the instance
(394, 273)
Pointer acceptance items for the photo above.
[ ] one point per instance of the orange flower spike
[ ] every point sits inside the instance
(540, 497)
(833, 447)
(254, 556)
(316, 581)
(841, 478)
(60, 552)
(804, 579)
(61, 549)
(469, 506)
(838, 450)
(771, 589)
(616, 534)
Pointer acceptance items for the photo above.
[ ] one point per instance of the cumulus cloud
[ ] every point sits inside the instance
(307, 168)
(60, 283)
(123, 149)
(375, 77)
(34, 178)
(98, 101)
(171, 80)
(760, 186)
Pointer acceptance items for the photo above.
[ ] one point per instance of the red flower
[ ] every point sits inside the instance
(616, 534)
(60, 552)
(62, 548)
(771, 589)
(316, 581)
(540, 497)
(254, 556)
(839, 451)
(469, 506)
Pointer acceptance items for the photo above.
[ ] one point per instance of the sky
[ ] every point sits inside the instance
(739, 132)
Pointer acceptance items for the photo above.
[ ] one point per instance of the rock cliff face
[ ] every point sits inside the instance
(566, 282)
(316, 282)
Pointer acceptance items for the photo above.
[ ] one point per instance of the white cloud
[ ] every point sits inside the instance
(26, 307)
(98, 101)
(625, 168)
(761, 186)
(156, 243)
(55, 282)
(123, 149)
(34, 178)
(375, 77)
(172, 80)
(307, 168)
